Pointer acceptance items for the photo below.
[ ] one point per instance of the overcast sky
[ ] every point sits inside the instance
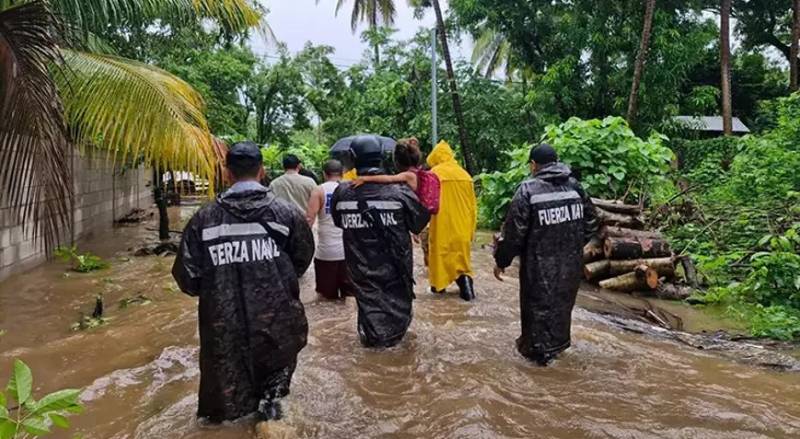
(296, 21)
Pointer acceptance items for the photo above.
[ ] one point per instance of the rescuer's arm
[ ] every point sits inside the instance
(300, 244)
(590, 222)
(187, 270)
(406, 177)
(515, 230)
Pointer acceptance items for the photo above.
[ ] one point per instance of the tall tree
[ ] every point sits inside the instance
(725, 62)
(375, 13)
(441, 30)
(795, 52)
(641, 58)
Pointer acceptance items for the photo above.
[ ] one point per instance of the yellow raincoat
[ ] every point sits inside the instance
(350, 175)
(452, 230)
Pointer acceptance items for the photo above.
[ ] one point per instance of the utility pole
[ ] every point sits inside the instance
(434, 89)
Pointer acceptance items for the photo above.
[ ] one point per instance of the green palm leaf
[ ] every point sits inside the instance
(131, 109)
(34, 149)
(97, 15)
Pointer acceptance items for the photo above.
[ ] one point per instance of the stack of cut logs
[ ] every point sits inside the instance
(627, 258)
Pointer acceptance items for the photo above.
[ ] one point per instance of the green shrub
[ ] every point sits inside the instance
(611, 160)
(498, 188)
(81, 262)
(304, 146)
(30, 417)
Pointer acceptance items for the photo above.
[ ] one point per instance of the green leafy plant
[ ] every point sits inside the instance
(29, 417)
(612, 161)
(81, 262)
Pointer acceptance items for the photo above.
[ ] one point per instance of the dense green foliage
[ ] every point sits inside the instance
(739, 217)
(26, 417)
(610, 160)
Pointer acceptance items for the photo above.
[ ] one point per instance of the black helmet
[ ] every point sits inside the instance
(367, 152)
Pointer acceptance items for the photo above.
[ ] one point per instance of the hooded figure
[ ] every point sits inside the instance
(453, 228)
(377, 220)
(242, 255)
(547, 225)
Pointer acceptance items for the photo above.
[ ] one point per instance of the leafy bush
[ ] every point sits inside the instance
(720, 151)
(498, 188)
(81, 262)
(304, 146)
(31, 417)
(611, 160)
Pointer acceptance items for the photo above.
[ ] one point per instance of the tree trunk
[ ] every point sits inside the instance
(668, 291)
(161, 202)
(616, 219)
(631, 248)
(725, 57)
(642, 279)
(665, 267)
(617, 207)
(451, 80)
(795, 51)
(593, 250)
(621, 232)
(641, 57)
(596, 270)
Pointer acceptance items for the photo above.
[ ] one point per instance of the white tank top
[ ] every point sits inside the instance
(329, 243)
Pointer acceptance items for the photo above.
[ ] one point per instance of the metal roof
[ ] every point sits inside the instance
(711, 123)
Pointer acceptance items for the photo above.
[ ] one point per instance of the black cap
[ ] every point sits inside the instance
(244, 153)
(543, 154)
(367, 151)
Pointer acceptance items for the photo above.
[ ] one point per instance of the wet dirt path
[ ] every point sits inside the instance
(455, 376)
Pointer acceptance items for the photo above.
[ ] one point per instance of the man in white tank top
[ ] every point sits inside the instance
(332, 277)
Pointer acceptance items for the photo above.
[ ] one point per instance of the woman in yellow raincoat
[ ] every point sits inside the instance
(452, 230)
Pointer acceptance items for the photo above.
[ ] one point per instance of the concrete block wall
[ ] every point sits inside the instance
(103, 193)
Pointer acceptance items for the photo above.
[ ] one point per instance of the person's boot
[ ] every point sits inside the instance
(465, 286)
(269, 410)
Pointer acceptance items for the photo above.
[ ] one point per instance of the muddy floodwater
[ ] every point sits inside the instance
(456, 375)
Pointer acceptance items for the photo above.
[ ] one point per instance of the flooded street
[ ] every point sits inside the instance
(457, 374)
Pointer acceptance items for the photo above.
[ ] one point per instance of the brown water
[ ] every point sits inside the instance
(455, 376)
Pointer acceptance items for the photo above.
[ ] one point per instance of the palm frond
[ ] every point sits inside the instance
(131, 109)
(35, 175)
(97, 15)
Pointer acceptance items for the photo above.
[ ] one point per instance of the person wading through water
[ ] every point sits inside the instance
(332, 278)
(424, 183)
(377, 220)
(453, 227)
(550, 220)
(292, 186)
(242, 255)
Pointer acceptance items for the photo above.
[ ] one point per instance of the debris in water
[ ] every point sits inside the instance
(167, 248)
(140, 299)
(135, 216)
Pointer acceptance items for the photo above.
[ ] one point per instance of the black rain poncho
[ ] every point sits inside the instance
(242, 255)
(547, 225)
(378, 252)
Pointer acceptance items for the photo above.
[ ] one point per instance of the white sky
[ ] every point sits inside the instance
(296, 21)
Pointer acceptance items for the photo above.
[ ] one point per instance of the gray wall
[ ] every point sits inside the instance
(103, 193)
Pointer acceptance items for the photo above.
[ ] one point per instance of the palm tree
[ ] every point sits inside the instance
(725, 56)
(492, 52)
(451, 79)
(55, 94)
(641, 57)
(375, 13)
